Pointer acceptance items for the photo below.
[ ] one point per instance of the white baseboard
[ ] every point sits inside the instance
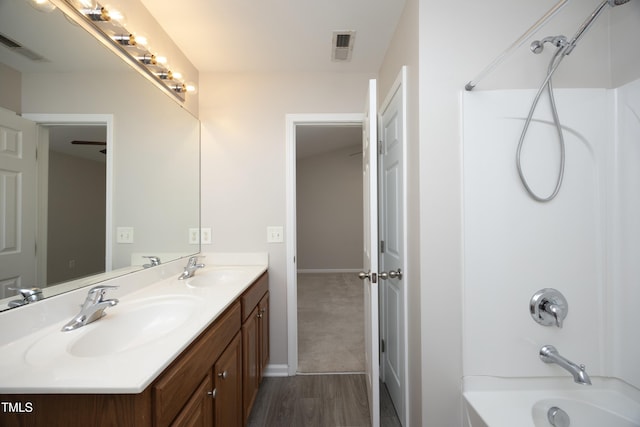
(276, 371)
(329, 270)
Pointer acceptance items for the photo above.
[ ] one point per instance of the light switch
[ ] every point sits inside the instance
(124, 235)
(275, 234)
(194, 236)
(205, 235)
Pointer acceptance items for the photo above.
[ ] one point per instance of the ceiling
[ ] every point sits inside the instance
(312, 140)
(277, 35)
(61, 137)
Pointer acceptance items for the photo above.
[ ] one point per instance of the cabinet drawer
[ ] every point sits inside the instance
(176, 385)
(253, 295)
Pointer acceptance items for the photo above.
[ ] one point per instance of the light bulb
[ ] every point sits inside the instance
(43, 5)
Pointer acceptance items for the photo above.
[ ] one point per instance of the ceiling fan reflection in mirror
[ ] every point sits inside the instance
(103, 143)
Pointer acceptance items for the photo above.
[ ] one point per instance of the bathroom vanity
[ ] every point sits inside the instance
(212, 380)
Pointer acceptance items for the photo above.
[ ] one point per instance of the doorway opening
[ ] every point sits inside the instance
(77, 162)
(329, 239)
(307, 124)
(75, 180)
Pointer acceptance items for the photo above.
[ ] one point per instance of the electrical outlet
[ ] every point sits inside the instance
(205, 235)
(194, 236)
(124, 235)
(275, 234)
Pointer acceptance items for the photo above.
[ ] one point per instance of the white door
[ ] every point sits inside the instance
(369, 275)
(391, 199)
(17, 202)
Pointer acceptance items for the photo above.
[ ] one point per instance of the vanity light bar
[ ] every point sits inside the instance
(109, 30)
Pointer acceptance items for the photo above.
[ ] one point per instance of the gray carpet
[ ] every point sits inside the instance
(330, 323)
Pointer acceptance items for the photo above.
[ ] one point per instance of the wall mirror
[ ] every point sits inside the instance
(121, 158)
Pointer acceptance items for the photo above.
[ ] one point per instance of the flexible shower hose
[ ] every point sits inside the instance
(553, 65)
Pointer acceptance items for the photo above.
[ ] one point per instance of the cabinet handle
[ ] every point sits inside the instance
(259, 316)
(212, 393)
(223, 375)
(262, 310)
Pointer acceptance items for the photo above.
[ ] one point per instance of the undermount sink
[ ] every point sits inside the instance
(123, 328)
(217, 277)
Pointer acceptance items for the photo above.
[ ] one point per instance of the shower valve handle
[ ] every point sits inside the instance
(549, 307)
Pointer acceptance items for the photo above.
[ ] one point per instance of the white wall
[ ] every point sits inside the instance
(329, 210)
(10, 93)
(515, 246)
(77, 203)
(625, 204)
(243, 162)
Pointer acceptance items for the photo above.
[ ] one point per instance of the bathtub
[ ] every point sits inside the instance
(525, 402)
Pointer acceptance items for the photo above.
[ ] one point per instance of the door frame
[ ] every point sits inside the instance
(53, 119)
(293, 120)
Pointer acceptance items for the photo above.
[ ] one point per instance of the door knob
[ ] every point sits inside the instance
(362, 275)
(391, 275)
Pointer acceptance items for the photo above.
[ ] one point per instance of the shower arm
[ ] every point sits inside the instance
(539, 23)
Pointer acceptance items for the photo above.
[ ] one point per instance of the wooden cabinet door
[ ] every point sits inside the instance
(249, 362)
(198, 412)
(263, 308)
(227, 372)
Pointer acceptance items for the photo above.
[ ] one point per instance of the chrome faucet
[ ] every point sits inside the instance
(549, 354)
(29, 295)
(92, 309)
(190, 269)
(154, 261)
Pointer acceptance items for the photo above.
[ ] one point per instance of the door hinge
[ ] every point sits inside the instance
(380, 147)
(382, 348)
(381, 246)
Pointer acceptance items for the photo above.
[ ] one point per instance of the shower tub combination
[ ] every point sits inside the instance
(545, 402)
(586, 243)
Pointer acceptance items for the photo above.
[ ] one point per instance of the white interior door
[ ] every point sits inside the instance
(18, 207)
(392, 257)
(370, 263)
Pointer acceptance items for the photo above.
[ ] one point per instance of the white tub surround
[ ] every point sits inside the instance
(524, 402)
(156, 318)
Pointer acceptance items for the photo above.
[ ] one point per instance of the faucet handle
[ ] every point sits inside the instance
(193, 261)
(556, 311)
(97, 292)
(153, 261)
(549, 307)
(29, 294)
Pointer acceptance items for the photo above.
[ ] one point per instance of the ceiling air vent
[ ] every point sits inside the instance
(342, 45)
(19, 49)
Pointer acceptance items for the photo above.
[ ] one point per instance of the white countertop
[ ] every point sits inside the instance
(42, 361)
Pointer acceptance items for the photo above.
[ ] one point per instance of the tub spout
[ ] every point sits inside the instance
(549, 354)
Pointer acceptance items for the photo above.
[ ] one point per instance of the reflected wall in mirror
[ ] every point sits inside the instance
(63, 79)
